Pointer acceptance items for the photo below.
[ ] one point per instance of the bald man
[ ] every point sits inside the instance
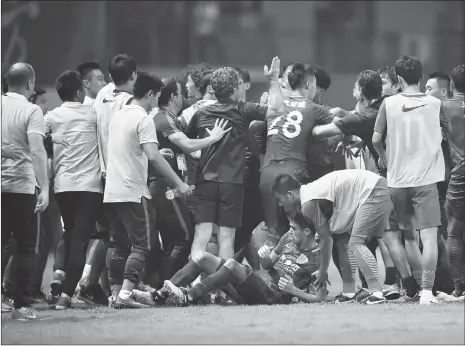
(24, 165)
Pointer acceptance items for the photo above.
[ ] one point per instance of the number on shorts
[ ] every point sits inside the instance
(293, 121)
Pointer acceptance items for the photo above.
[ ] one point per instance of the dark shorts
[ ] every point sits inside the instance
(259, 289)
(218, 203)
(455, 198)
(416, 208)
(275, 216)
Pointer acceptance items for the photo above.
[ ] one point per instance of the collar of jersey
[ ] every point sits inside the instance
(71, 104)
(167, 111)
(15, 95)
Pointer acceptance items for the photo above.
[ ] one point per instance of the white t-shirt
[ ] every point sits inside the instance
(107, 103)
(413, 139)
(88, 101)
(77, 166)
(346, 189)
(127, 169)
(19, 118)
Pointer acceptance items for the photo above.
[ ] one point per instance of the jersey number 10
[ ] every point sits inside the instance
(292, 122)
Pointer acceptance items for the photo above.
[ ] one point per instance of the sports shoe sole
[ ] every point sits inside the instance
(86, 300)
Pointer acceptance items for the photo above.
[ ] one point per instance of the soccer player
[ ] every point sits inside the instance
(173, 217)
(415, 163)
(290, 266)
(219, 182)
(287, 142)
(77, 183)
(438, 85)
(454, 110)
(191, 75)
(132, 145)
(93, 79)
(390, 81)
(346, 201)
(24, 165)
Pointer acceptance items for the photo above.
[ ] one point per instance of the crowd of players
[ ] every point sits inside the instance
(160, 184)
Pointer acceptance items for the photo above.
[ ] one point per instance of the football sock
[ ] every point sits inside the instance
(212, 282)
(391, 276)
(410, 286)
(124, 294)
(186, 275)
(368, 265)
(457, 261)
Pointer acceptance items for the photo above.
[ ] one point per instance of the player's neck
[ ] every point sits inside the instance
(170, 107)
(89, 95)
(140, 103)
(209, 97)
(23, 92)
(296, 93)
(411, 89)
(307, 244)
(125, 87)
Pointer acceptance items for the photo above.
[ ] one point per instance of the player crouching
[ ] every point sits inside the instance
(289, 273)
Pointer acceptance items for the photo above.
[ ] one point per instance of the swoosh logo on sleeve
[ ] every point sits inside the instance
(408, 109)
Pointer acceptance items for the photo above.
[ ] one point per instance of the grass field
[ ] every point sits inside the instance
(293, 324)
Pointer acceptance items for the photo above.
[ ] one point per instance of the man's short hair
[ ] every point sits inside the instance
(323, 78)
(284, 183)
(38, 91)
(121, 68)
(243, 74)
(223, 81)
(299, 219)
(68, 84)
(170, 87)
(299, 75)
(410, 69)
(19, 75)
(458, 77)
(87, 67)
(371, 84)
(146, 82)
(389, 73)
(205, 81)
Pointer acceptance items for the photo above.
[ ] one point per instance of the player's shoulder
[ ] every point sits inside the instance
(454, 102)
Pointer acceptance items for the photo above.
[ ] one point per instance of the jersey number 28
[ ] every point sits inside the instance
(291, 127)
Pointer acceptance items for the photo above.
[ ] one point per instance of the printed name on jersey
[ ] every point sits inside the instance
(295, 104)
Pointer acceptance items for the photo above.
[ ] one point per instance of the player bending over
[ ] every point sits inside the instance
(289, 273)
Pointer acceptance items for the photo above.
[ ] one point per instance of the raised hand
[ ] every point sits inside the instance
(273, 72)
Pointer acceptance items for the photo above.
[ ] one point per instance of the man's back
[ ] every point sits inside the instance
(289, 134)
(19, 117)
(127, 169)
(225, 161)
(107, 103)
(77, 165)
(413, 140)
(454, 110)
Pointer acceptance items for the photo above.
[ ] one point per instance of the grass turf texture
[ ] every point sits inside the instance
(298, 323)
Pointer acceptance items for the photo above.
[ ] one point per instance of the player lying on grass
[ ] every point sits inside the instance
(290, 266)
(353, 201)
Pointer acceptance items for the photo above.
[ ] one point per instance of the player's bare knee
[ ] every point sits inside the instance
(198, 256)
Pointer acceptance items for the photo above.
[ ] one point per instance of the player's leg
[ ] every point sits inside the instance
(205, 214)
(371, 220)
(404, 212)
(347, 266)
(229, 216)
(427, 219)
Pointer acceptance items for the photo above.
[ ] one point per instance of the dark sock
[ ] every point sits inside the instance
(186, 275)
(391, 273)
(410, 286)
(362, 279)
(212, 282)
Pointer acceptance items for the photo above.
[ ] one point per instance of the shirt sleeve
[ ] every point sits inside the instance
(253, 111)
(381, 121)
(313, 214)
(35, 122)
(47, 124)
(146, 131)
(166, 125)
(444, 122)
(349, 124)
(323, 115)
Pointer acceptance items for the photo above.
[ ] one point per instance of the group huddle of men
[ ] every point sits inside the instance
(160, 184)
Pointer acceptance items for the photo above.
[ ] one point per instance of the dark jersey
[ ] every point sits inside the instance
(294, 262)
(225, 160)
(166, 124)
(289, 135)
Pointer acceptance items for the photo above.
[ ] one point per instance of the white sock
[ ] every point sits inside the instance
(124, 294)
(349, 295)
(60, 272)
(64, 295)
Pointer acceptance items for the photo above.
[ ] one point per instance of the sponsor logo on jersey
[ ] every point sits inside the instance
(302, 259)
(408, 109)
